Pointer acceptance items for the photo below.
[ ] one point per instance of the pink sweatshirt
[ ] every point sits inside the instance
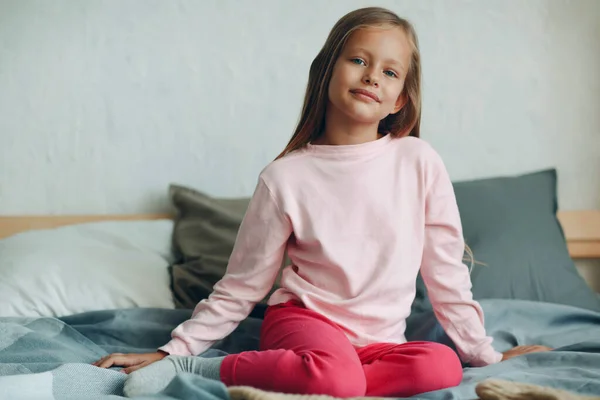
(358, 222)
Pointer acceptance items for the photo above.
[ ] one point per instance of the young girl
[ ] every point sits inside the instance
(361, 205)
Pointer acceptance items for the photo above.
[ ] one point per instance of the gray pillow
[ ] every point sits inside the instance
(509, 222)
(204, 233)
(511, 226)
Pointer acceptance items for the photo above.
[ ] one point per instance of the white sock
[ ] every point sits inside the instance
(157, 376)
(496, 389)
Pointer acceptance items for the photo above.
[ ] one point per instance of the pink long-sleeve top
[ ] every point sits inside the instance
(358, 222)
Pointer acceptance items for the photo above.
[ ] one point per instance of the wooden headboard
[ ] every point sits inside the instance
(10, 225)
(582, 228)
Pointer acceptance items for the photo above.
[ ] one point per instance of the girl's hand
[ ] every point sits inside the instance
(520, 350)
(131, 361)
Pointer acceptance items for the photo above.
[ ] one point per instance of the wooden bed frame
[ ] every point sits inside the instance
(582, 228)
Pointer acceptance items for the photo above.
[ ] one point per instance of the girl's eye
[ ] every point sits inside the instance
(391, 74)
(358, 61)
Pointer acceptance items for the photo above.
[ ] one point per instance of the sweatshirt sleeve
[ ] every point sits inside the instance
(253, 266)
(447, 279)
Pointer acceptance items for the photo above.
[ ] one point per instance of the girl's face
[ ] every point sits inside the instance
(368, 77)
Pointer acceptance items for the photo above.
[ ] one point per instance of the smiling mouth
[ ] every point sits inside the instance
(365, 95)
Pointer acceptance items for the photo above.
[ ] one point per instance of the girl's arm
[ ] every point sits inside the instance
(446, 277)
(251, 272)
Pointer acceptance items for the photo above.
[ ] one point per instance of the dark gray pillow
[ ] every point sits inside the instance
(204, 233)
(510, 224)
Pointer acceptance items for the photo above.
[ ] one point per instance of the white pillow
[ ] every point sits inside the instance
(86, 267)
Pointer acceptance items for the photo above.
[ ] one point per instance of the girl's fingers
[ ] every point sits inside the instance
(129, 370)
(100, 361)
(107, 363)
(120, 360)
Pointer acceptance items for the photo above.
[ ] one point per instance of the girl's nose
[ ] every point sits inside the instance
(369, 79)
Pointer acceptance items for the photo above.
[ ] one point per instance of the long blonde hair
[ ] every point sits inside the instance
(312, 119)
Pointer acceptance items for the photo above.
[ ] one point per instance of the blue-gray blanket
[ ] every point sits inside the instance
(47, 358)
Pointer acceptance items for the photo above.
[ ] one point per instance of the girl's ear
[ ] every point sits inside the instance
(401, 102)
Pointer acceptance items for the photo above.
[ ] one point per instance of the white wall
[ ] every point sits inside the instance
(104, 103)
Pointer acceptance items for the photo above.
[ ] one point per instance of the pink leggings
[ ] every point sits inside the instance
(303, 352)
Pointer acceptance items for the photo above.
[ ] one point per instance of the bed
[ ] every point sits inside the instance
(75, 288)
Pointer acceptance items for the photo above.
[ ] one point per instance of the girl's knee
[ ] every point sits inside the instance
(441, 368)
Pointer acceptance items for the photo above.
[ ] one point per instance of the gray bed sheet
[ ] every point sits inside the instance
(50, 358)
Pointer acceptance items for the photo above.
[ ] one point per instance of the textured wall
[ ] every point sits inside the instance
(103, 104)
